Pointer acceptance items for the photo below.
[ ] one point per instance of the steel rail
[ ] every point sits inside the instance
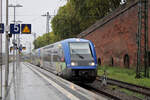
(132, 87)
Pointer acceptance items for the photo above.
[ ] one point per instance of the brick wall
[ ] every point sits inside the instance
(115, 36)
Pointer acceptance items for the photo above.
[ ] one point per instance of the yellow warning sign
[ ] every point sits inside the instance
(26, 28)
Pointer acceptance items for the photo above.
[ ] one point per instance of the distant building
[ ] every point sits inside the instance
(115, 36)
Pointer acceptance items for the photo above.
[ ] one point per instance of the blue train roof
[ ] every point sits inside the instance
(66, 41)
(74, 40)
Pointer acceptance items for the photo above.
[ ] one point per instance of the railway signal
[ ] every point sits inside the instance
(16, 48)
(23, 48)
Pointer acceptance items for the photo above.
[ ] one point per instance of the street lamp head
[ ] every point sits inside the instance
(11, 5)
(18, 5)
(19, 21)
(43, 15)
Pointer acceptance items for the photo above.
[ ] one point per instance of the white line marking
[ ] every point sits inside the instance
(62, 90)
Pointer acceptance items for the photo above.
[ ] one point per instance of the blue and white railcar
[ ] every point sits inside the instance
(73, 59)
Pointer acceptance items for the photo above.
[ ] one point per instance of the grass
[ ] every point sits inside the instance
(133, 93)
(123, 74)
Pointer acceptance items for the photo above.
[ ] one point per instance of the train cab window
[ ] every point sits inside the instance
(80, 50)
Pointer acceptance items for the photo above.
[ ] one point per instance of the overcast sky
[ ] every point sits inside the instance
(31, 13)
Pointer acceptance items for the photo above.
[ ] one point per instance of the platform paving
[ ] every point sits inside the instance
(31, 84)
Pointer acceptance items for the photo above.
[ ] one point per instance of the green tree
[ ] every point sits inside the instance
(75, 17)
(65, 24)
(45, 39)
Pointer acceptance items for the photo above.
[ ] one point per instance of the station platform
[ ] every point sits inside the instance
(33, 83)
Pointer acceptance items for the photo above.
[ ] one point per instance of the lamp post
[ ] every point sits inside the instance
(18, 54)
(6, 50)
(15, 22)
(15, 6)
(1, 52)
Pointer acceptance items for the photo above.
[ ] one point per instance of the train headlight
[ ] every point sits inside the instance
(91, 63)
(74, 64)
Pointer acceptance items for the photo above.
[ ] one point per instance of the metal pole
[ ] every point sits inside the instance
(146, 74)
(47, 15)
(34, 36)
(147, 11)
(6, 51)
(139, 41)
(18, 57)
(1, 52)
(30, 52)
(14, 44)
(34, 39)
(48, 22)
(17, 52)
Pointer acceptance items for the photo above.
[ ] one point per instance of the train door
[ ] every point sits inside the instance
(61, 59)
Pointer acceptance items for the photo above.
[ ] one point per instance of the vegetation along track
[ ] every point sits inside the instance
(132, 87)
(98, 88)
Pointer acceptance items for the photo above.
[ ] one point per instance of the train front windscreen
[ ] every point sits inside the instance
(81, 54)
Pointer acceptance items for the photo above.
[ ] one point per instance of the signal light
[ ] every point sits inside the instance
(10, 35)
(23, 48)
(11, 48)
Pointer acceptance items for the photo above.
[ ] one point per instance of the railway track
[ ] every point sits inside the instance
(132, 87)
(99, 91)
(107, 92)
(89, 87)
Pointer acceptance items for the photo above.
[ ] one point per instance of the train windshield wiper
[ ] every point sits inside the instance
(78, 54)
